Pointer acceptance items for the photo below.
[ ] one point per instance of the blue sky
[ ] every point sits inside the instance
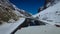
(29, 5)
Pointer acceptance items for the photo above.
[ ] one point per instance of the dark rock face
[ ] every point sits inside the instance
(30, 22)
(44, 7)
(47, 4)
(57, 25)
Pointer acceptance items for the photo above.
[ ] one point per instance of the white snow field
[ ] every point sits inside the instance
(45, 29)
(50, 15)
(10, 27)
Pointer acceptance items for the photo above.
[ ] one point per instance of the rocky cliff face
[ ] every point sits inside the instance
(8, 12)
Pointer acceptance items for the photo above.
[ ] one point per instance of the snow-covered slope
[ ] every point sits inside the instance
(10, 27)
(50, 15)
(8, 15)
(45, 29)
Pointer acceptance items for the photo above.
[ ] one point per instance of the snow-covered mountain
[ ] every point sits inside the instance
(10, 13)
(47, 4)
(10, 17)
(51, 14)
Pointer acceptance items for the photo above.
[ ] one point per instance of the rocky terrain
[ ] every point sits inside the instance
(10, 13)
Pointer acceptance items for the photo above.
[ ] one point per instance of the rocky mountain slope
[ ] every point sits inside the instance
(10, 13)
